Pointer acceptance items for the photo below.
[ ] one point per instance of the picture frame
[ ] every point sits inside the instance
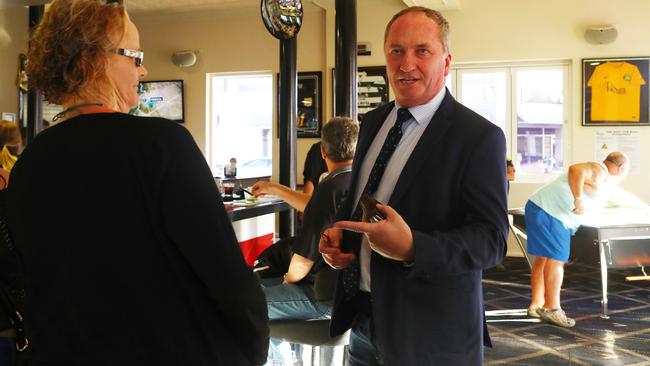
(309, 118)
(372, 89)
(615, 91)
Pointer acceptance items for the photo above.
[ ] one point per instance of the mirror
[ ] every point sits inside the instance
(282, 18)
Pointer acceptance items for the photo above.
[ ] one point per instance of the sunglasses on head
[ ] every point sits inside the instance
(111, 2)
(138, 56)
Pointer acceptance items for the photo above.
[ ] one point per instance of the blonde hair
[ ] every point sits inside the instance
(67, 51)
(9, 136)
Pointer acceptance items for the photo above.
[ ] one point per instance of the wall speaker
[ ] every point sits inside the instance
(601, 35)
(184, 58)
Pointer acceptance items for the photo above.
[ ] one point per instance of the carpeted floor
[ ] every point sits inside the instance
(623, 339)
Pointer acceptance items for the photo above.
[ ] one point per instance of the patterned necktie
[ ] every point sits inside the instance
(352, 275)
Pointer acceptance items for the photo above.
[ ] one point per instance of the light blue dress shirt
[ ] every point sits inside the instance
(412, 132)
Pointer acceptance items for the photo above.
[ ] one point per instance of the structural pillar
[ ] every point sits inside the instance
(34, 96)
(345, 91)
(287, 114)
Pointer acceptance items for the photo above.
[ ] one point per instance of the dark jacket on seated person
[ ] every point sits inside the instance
(320, 213)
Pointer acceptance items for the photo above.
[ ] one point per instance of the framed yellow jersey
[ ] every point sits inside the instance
(615, 91)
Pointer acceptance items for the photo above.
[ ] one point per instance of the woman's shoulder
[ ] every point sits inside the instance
(120, 127)
(148, 122)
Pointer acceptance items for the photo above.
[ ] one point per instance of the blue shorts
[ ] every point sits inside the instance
(547, 236)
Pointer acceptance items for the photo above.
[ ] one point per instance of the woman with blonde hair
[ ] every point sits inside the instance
(129, 256)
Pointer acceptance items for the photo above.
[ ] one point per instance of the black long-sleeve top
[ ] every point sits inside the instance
(129, 256)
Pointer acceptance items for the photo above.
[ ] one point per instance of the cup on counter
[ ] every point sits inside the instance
(247, 195)
(228, 191)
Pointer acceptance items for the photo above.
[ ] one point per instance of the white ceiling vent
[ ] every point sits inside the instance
(439, 5)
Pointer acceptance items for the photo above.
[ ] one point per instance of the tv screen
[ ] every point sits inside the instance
(161, 99)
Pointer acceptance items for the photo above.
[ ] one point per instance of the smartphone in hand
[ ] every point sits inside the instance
(369, 208)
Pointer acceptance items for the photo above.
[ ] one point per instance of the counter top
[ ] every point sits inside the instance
(236, 213)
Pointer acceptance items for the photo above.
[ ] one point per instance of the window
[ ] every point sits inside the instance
(527, 102)
(239, 122)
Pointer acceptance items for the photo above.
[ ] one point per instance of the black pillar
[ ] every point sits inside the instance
(34, 96)
(287, 111)
(345, 93)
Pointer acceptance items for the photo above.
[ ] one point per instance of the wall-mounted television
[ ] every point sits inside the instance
(162, 98)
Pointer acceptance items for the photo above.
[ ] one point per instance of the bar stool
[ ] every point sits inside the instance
(313, 333)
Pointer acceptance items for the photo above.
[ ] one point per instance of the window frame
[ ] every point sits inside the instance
(209, 77)
(458, 69)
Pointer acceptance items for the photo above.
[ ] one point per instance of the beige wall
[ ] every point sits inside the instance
(13, 41)
(482, 31)
(227, 41)
(527, 30)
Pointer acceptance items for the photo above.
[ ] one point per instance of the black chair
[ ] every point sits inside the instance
(313, 333)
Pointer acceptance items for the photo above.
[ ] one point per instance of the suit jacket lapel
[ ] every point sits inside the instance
(371, 127)
(435, 131)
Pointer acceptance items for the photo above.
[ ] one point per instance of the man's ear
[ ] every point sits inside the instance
(322, 152)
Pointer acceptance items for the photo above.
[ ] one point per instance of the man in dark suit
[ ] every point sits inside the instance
(410, 286)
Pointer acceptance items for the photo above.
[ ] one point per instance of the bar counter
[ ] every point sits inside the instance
(254, 224)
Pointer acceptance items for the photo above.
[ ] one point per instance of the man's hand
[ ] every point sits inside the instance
(262, 188)
(330, 248)
(579, 207)
(392, 237)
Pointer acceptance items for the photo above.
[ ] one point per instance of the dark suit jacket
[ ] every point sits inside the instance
(452, 193)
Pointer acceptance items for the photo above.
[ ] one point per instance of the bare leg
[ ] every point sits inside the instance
(537, 282)
(553, 276)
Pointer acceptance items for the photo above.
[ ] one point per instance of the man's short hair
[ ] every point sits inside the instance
(436, 16)
(617, 158)
(339, 138)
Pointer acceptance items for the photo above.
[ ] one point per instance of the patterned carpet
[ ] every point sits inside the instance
(623, 339)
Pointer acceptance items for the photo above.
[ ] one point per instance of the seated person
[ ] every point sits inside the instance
(510, 171)
(294, 295)
(315, 166)
(10, 140)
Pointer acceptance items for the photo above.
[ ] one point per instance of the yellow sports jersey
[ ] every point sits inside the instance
(615, 92)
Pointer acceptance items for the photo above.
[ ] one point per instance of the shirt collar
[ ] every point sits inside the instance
(337, 171)
(423, 113)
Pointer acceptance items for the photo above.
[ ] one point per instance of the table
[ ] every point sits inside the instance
(611, 238)
(254, 225)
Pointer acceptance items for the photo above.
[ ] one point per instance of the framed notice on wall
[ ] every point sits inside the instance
(372, 89)
(615, 91)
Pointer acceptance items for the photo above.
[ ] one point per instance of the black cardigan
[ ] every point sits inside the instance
(129, 255)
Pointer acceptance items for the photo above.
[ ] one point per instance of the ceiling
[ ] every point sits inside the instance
(435, 4)
(14, 3)
(140, 6)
